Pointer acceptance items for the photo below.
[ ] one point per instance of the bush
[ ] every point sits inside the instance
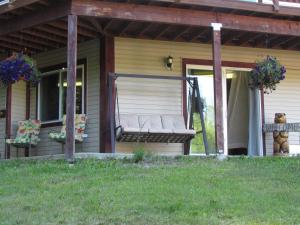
(138, 155)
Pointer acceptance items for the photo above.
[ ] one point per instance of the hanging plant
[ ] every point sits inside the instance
(266, 74)
(18, 67)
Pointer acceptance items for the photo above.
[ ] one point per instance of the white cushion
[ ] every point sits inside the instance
(184, 131)
(131, 130)
(150, 122)
(129, 121)
(173, 122)
(160, 131)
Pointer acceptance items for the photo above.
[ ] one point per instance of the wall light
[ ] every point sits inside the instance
(169, 62)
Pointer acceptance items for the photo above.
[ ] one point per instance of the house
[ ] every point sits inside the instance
(213, 40)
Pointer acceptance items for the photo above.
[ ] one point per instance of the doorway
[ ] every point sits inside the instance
(242, 114)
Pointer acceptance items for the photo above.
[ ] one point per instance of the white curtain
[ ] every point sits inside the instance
(238, 111)
(244, 116)
(255, 144)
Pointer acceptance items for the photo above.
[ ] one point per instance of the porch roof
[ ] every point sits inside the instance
(41, 25)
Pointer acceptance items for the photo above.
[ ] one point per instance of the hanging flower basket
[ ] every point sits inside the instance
(18, 67)
(267, 74)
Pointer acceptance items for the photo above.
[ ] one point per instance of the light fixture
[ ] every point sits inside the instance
(169, 62)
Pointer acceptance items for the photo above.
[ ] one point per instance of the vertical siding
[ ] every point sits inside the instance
(90, 51)
(2, 121)
(146, 57)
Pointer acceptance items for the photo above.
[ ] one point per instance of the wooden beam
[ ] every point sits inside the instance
(107, 65)
(23, 44)
(182, 32)
(56, 11)
(189, 17)
(15, 5)
(82, 31)
(218, 88)
(71, 89)
(45, 35)
(33, 39)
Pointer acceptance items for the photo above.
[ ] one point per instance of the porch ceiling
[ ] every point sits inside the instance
(53, 35)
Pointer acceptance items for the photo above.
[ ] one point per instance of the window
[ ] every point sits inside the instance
(52, 94)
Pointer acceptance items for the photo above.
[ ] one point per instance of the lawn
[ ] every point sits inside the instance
(163, 191)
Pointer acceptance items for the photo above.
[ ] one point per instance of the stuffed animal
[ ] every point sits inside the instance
(280, 145)
(280, 118)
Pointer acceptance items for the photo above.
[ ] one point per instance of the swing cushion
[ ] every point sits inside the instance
(130, 123)
(176, 124)
(153, 128)
(152, 124)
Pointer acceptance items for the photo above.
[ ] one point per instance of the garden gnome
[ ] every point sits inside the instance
(280, 145)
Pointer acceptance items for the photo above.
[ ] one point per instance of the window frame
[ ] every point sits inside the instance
(81, 64)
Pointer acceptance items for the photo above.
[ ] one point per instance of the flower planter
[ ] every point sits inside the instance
(267, 74)
(18, 67)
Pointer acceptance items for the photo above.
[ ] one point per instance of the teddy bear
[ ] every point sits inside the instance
(280, 144)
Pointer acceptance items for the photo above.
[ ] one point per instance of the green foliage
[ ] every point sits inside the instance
(186, 190)
(267, 74)
(139, 154)
(197, 142)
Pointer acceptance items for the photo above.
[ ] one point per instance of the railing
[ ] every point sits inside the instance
(277, 3)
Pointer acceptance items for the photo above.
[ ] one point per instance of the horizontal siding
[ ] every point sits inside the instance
(90, 51)
(18, 109)
(137, 56)
(147, 96)
(2, 121)
(283, 100)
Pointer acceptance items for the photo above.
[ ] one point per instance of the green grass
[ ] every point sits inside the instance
(180, 191)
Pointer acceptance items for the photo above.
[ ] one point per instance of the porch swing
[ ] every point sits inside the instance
(155, 128)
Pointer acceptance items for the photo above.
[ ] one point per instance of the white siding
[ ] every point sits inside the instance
(285, 99)
(146, 57)
(2, 121)
(90, 51)
(147, 96)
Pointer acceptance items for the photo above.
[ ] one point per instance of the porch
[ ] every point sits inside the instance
(110, 37)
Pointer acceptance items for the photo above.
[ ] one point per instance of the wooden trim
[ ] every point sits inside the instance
(186, 146)
(207, 62)
(8, 118)
(232, 64)
(107, 65)
(82, 61)
(197, 18)
(52, 124)
(27, 114)
(71, 89)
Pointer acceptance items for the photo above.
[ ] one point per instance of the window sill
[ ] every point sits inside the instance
(51, 124)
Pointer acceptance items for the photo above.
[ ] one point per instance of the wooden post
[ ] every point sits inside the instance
(71, 89)
(27, 116)
(8, 120)
(107, 65)
(276, 5)
(218, 88)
